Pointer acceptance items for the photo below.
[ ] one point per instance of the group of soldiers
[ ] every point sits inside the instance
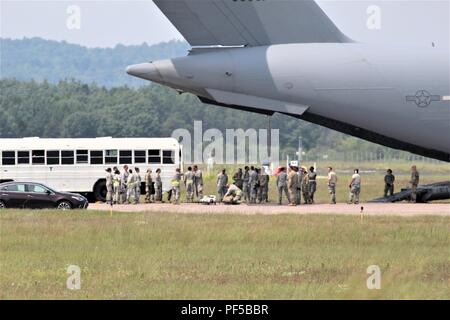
(389, 180)
(298, 182)
(125, 187)
(295, 182)
(250, 185)
(193, 182)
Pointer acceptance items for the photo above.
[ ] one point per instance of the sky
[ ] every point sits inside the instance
(106, 23)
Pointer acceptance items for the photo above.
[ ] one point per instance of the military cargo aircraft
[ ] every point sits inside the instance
(287, 56)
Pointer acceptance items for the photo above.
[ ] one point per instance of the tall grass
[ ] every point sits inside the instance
(178, 256)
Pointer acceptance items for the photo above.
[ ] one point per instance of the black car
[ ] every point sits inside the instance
(38, 196)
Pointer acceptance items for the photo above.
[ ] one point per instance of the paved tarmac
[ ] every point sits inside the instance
(371, 209)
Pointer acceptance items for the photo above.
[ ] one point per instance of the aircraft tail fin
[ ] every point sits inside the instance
(250, 23)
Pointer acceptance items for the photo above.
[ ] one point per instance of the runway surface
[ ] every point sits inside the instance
(371, 209)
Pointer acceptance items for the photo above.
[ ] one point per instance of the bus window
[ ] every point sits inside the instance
(82, 156)
(52, 157)
(67, 157)
(139, 156)
(9, 158)
(96, 157)
(38, 157)
(168, 156)
(111, 156)
(125, 157)
(154, 156)
(23, 157)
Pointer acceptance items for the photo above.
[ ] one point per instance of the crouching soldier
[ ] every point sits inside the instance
(233, 195)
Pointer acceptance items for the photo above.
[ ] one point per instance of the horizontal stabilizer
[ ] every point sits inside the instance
(250, 23)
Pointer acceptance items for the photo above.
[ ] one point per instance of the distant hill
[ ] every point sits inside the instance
(39, 59)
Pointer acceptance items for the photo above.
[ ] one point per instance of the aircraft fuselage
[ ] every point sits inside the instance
(398, 97)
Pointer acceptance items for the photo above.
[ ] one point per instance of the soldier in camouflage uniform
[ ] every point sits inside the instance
(355, 187)
(109, 186)
(148, 186)
(124, 187)
(189, 184)
(137, 185)
(233, 195)
(245, 184)
(266, 188)
(305, 186)
(282, 185)
(292, 186)
(299, 187)
(312, 176)
(116, 186)
(253, 184)
(414, 182)
(130, 186)
(198, 182)
(158, 186)
(176, 181)
(332, 181)
(222, 181)
(237, 178)
(389, 180)
(263, 181)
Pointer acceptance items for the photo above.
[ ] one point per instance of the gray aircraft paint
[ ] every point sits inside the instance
(395, 96)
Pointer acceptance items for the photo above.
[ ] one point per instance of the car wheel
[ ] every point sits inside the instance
(64, 205)
(2, 205)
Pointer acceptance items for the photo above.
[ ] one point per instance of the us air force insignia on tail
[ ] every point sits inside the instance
(423, 98)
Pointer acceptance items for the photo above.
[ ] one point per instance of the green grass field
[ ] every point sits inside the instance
(176, 256)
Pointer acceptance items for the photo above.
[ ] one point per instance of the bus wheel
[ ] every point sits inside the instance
(2, 205)
(100, 191)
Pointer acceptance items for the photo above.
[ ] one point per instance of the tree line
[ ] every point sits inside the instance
(71, 108)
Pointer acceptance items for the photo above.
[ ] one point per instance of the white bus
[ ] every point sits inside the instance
(78, 165)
